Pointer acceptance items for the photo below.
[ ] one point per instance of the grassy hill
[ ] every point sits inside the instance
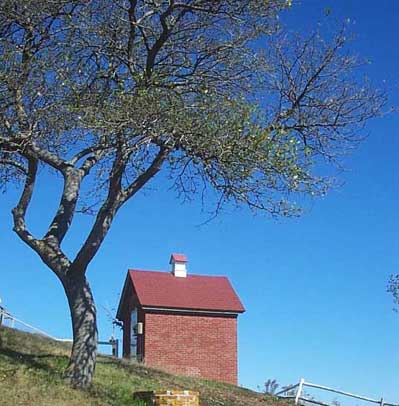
(31, 368)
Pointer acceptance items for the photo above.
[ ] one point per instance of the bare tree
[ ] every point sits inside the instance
(108, 93)
(271, 387)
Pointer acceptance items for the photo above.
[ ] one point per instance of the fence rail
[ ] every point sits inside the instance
(302, 383)
(8, 320)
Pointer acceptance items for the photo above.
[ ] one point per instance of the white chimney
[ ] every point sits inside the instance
(178, 262)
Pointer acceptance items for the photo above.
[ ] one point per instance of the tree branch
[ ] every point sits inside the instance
(104, 217)
(46, 156)
(151, 171)
(51, 255)
(132, 33)
(23, 145)
(163, 37)
(115, 199)
(15, 164)
(66, 209)
(20, 209)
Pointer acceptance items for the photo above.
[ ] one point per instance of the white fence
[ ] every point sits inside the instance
(297, 392)
(8, 320)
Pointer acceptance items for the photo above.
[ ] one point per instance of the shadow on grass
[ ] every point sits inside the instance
(33, 361)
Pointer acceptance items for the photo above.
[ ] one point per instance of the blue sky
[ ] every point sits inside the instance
(314, 287)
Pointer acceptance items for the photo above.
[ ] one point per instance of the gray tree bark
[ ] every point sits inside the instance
(82, 362)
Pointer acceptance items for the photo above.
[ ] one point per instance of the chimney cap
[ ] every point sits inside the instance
(178, 258)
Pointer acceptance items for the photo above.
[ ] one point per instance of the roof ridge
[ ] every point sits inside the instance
(169, 273)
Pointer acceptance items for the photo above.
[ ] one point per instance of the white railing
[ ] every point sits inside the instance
(8, 320)
(296, 392)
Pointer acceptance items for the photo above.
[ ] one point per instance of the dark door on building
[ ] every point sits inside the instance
(133, 335)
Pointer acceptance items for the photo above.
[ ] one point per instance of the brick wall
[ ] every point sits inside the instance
(169, 398)
(194, 345)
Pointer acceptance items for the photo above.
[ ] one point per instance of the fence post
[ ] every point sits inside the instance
(299, 391)
(382, 402)
(115, 345)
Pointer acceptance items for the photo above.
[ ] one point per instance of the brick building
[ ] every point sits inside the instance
(185, 324)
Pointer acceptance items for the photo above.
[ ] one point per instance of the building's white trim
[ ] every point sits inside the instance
(167, 309)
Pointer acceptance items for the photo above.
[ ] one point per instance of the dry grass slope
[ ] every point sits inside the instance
(31, 367)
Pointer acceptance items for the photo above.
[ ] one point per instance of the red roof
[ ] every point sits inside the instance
(194, 292)
(178, 258)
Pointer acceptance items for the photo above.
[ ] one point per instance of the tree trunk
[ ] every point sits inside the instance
(82, 363)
